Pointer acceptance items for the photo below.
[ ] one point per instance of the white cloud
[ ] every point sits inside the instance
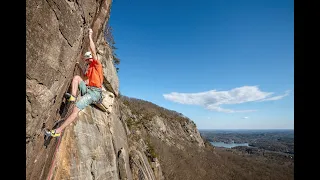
(246, 117)
(277, 97)
(213, 99)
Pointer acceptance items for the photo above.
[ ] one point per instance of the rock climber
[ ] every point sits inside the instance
(90, 88)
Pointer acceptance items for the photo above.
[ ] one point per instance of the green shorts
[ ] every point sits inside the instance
(90, 95)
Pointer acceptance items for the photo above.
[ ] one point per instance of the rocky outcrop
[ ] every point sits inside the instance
(96, 145)
(54, 40)
(153, 131)
(142, 165)
(171, 132)
(87, 150)
(169, 127)
(99, 144)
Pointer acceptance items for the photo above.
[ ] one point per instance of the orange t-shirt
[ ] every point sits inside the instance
(95, 74)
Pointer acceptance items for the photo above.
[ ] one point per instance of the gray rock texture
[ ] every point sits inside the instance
(98, 144)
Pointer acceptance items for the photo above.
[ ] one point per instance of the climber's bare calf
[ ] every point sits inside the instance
(69, 120)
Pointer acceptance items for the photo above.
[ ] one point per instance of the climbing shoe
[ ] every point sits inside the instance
(52, 133)
(70, 97)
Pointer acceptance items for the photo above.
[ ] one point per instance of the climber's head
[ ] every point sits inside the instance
(88, 56)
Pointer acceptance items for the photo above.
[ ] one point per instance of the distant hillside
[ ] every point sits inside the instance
(183, 154)
(271, 140)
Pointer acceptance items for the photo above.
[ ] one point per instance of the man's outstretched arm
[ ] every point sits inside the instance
(92, 46)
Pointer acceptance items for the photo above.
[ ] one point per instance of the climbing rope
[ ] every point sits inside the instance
(58, 143)
(54, 158)
(59, 138)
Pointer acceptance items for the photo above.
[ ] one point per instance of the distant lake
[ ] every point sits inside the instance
(228, 145)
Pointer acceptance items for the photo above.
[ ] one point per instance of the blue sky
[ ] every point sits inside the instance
(225, 64)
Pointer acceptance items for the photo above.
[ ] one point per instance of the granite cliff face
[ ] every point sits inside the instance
(98, 145)
(166, 137)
